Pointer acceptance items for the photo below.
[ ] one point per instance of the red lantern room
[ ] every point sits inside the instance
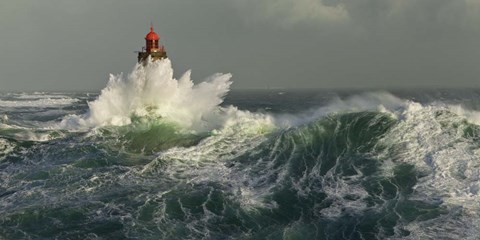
(152, 48)
(151, 39)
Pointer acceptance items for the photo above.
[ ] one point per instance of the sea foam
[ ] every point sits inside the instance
(152, 91)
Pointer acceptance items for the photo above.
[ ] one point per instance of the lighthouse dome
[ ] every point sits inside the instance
(152, 35)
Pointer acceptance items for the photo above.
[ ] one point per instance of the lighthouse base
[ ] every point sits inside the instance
(143, 56)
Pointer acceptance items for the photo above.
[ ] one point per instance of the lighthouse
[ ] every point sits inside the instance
(152, 48)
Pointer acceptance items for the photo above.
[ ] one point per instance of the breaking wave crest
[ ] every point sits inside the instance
(378, 171)
(149, 110)
(151, 91)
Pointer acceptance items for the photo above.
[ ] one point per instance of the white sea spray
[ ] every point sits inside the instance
(151, 90)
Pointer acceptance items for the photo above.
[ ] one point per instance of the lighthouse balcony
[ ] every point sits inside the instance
(143, 56)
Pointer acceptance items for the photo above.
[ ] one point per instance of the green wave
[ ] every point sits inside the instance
(149, 135)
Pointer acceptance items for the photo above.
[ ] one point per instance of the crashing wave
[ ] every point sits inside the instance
(151, 91)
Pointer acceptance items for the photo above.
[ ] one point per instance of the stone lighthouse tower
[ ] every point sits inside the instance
(152, 48)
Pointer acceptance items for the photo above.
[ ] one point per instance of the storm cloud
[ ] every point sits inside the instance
(369, 14)
(74, 45)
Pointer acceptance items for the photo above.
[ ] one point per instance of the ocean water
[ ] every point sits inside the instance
(152, 157)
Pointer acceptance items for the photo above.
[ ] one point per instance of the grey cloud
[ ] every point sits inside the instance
(370, 14)
(289, 13)
(413, 16)
(74, 45)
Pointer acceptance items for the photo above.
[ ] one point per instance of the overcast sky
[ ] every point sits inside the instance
(59, 45)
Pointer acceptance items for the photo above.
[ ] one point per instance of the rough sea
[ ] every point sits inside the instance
(152, 157)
